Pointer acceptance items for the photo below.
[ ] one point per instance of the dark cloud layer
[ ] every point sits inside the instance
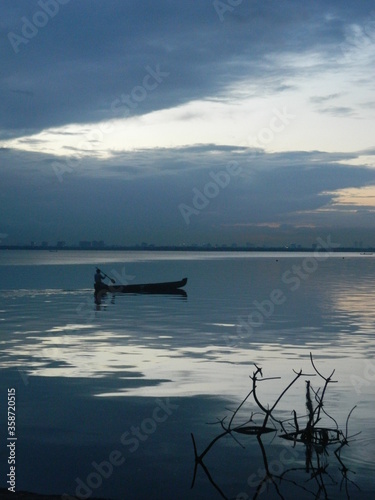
(92, 52)
(173, 199)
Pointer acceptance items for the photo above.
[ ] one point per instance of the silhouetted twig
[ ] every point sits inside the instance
(315, 438)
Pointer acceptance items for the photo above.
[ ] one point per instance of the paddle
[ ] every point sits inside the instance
(113, 281)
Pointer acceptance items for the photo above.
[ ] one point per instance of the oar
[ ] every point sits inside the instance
(106, 275)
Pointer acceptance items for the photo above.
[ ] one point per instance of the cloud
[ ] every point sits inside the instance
(337, 110)
(132, 198)
(321, 99)
(77, 65)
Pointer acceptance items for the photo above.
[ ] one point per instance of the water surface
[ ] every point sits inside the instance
(133, 377)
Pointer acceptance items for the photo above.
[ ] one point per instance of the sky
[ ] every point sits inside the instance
(180, 122)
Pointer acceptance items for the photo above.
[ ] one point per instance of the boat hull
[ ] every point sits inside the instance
(166, 287)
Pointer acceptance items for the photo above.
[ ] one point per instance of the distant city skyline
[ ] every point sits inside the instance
(101, 245)
(289, 239)
(184, 123)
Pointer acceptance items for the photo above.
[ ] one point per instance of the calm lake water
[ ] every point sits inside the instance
(107, 396)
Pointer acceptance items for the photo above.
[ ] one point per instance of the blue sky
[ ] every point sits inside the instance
(180, 122)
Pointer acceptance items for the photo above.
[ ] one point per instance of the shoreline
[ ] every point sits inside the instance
(27, 495)
(136, 248)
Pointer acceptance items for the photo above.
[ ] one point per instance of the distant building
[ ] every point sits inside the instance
(85, 244)
(97, 244)
(60, 244)
(44, 244)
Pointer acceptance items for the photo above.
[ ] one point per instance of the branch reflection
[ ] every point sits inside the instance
(312, 469)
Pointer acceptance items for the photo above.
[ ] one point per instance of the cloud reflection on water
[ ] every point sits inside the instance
(146, 347)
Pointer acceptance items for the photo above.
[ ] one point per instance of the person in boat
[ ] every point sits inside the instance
(98, 277)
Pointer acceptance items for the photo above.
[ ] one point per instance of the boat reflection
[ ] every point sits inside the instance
(101, 301)
(101, 296)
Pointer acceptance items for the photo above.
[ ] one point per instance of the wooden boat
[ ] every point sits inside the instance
(166, 288)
